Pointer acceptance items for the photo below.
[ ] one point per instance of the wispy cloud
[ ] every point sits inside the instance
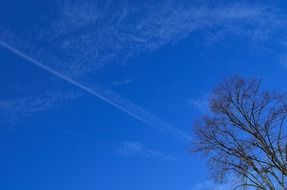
(14, 109)
(133, 148)
(93, 34)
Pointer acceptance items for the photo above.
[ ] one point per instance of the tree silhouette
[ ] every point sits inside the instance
(244, 135)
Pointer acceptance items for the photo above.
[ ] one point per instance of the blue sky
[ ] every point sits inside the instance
(103, 94)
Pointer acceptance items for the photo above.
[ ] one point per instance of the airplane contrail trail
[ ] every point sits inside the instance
(108, 97)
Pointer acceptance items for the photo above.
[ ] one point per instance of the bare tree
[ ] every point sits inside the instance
(244, 135)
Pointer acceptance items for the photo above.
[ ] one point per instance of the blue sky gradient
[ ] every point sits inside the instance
(103, 94)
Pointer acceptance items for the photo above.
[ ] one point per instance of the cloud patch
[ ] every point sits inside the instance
(230, 183)
(133, 148)
(122, 82)
(200, 104)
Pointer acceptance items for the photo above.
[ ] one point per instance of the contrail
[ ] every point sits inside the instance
(108, 97)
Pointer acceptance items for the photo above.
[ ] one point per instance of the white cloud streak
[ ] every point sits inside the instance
(109, 97)
(132, 148)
